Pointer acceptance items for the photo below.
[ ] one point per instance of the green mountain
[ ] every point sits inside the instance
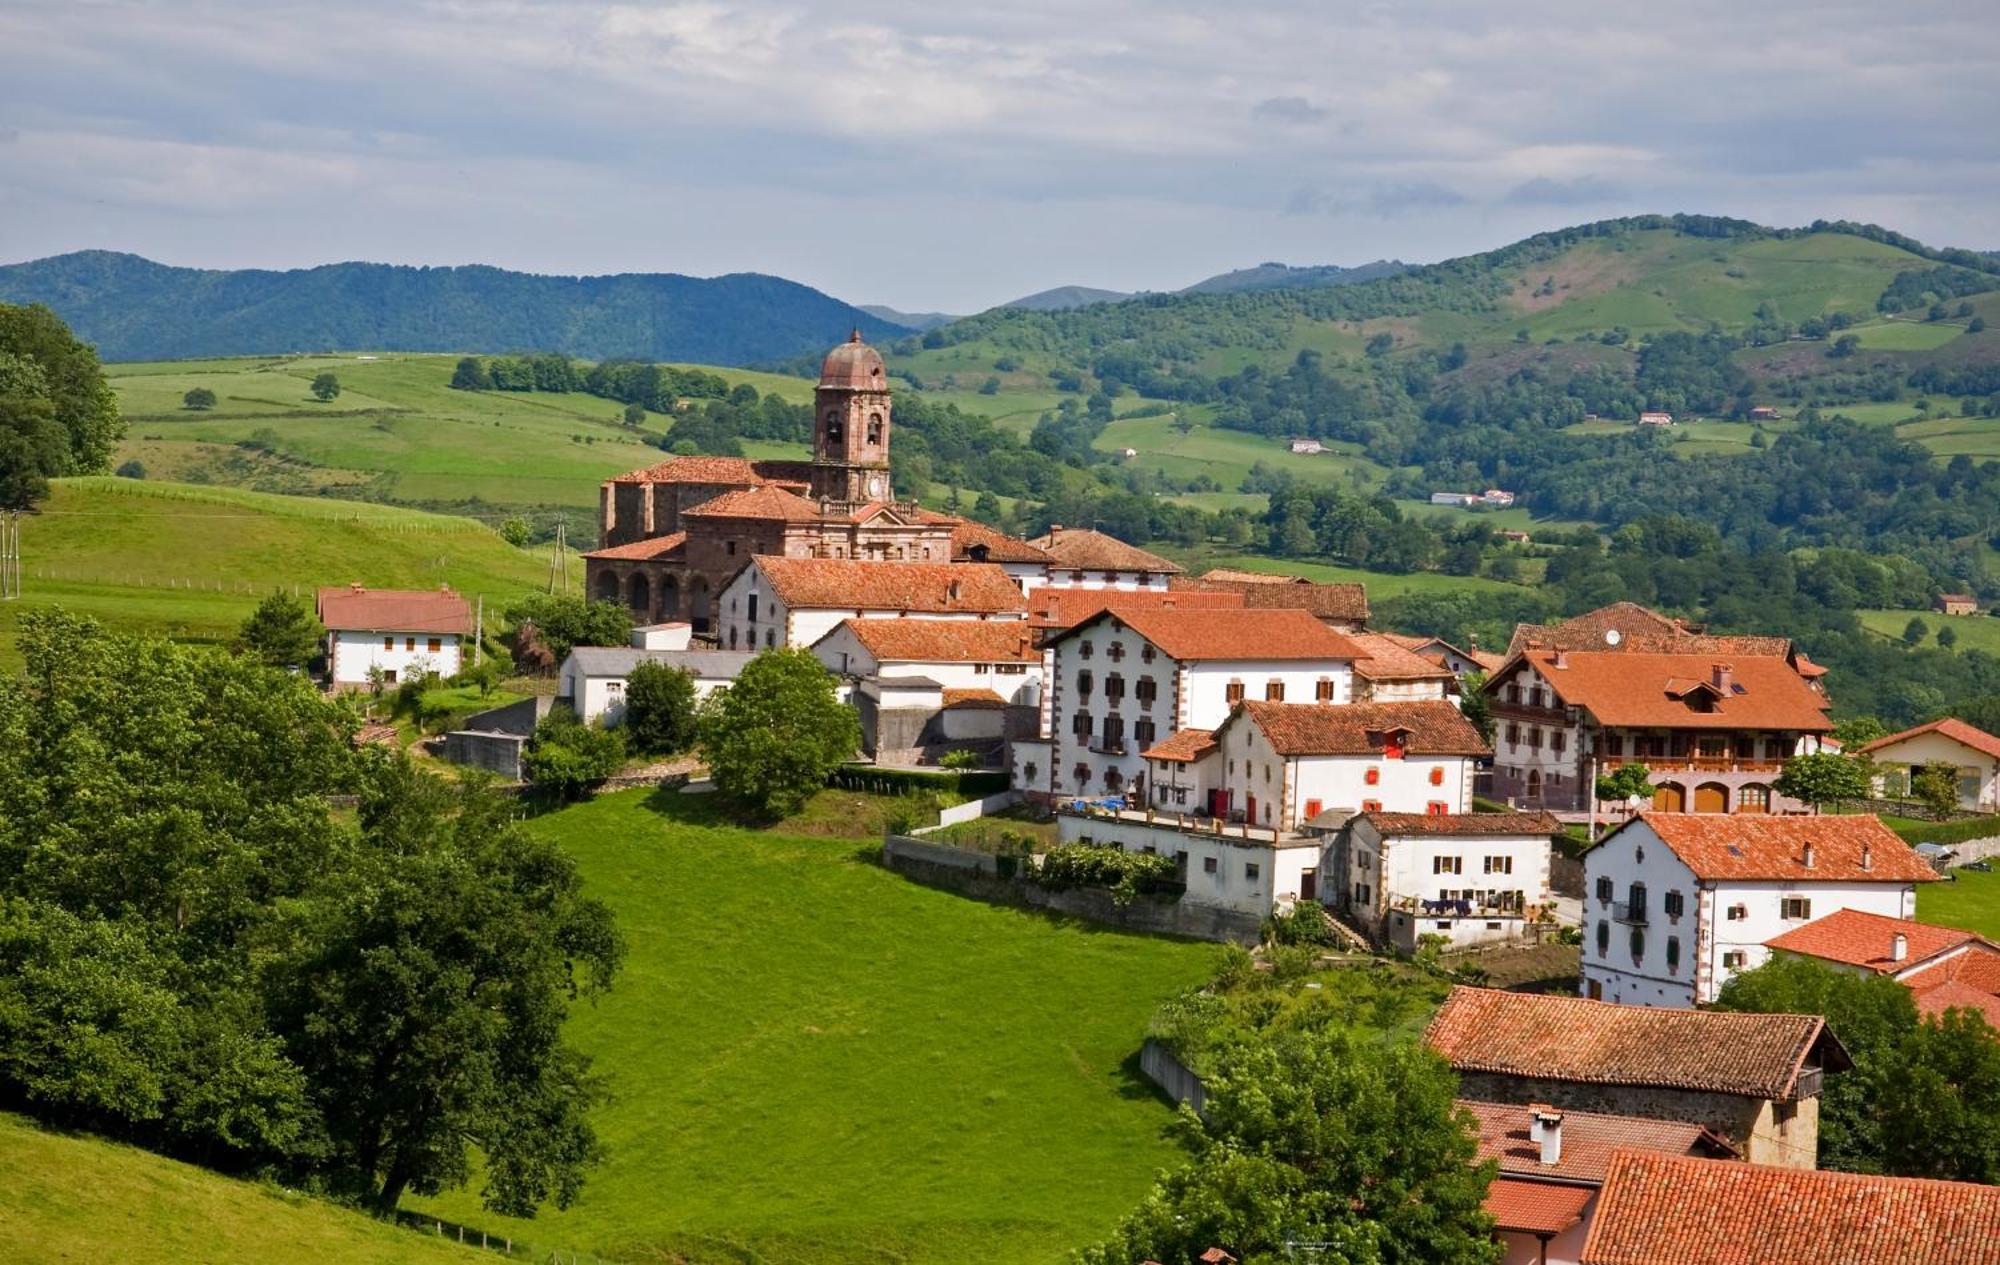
(135, 309)
(1273, 276)
(1062, 299)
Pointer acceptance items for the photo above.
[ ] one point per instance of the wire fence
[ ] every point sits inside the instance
(503, 1245)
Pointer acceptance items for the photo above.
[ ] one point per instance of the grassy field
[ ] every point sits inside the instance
(1971, 900)
(817, 1061)
(1974, 632)
(1227, 455)
(79, 1199)
(191, 562)
(1906, 335)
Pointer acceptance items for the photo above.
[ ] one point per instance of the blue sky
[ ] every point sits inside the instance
(950, 156)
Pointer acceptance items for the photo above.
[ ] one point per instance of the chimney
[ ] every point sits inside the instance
(1561, 659)
(1809, 855)
(1721, 676)
(1899, 947)
(1551, 1122)
(1867, 859)
(1535, 1111)
(951, 590)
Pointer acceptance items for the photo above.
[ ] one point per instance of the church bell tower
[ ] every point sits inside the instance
(850, 463)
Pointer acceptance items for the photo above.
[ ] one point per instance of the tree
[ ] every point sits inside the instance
(1977, 325)
(567, 755)
(1858, 731)
(1844, 346)
(659, 709)
(635, 414)
(1946, 638)
(1935, 786)
(471, 375)
(426, 1000)
(515, 532)
(132, 469)
(1627, 781)
(281, 632)
(1914, 632)
(80, 401)
(562, 621)
(1477, 704)
(774, 735)
(1823, 778)
(199, 398)
(1326, 1137)
(325, 386)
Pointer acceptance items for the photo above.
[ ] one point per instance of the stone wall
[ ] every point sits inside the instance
(976, 874)
(494, 752)
(1748, 1123)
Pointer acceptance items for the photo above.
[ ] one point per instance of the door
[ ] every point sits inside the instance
(1596, 991)
(1668, 798)
(1250, 808)
(1218, 802)
(1309, 885)
(1711, 797)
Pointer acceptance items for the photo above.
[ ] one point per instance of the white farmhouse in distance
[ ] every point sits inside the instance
(403, 632)
(1676, 903)
(1307, 447)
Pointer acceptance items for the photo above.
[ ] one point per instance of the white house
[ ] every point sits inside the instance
(1974, 753)
(1943, 967)
(957, 654)
(1393, 673)
(592, 679)
(775, 601)
(1080, 558)
(1246, 871)
(973, 541)
(1473, 878)
(1308, 447)
(1128, 677)
(1676, 903)
(403, 632)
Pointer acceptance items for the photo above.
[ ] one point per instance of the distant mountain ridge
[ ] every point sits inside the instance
(916, 321)
(135, 309)
(1265, 276)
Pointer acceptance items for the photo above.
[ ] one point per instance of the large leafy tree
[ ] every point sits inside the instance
(1823, 778)
(427, 998)
(773, 737)
(659, 709)
(281, 632)
(1323, 1138)
(561, 621)
(79, 398)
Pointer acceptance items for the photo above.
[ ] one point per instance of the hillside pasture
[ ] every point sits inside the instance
(1227, 455)
(1975, 437)
(813, 1060)
(1380, 584)
(1974, 632)
(1906, 335)
(1970, 901)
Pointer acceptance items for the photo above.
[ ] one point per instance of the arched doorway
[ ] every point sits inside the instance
(698, 603)
(1753, 797)
(1711, 797)
(1669, 798)
(607, 585)
(670, 597)
(640, 598)
(1534, 786)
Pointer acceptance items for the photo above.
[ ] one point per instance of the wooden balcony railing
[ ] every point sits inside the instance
(1693, 763)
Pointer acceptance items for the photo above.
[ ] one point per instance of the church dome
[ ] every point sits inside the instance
(855, 366)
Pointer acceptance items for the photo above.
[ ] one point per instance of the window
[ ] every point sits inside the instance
(1732, 960)
(1674, 904)
(1313, 807)
(1116, 652)
(1737, 913)
(388, 643)
(1673, 954)
(435, 645)
(1447, 865)
(1323, 690)
(1028, 772)
(389, 676)
(1556, 740)
(1513, 693)
(1603, 938)
(1500, 865)
(1753, 798)
(1081, 775)
(1638, 945)
(1208, 865)
(1635, 901)
(1371, 805)
(1114, 687)
(874, 428)
(1604, 888)
(1372, 777)
(615, 689)
(729, 546)
(1085, 649)
(1114, 733)
(1080, 724)
(1145, 689)
(1535, 737)
(1144, 732)
(1146, 653)
(1437, 808)
(1084, 682)
(1274, 691)
(1795, 909)
(1437, 776)
(1513, 733)
(1232, 693)
(409, 643)
(1250, 871)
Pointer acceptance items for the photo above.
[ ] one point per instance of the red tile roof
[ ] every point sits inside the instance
(1082, 548)
(1234, 634)
(1970, 979)
(758, 502)
(1854, 938)
(1954, 995)
(1641, 689)
(855, 584)
(946, 640)
(352, 608)
(1389, 661)
(1431, 727)
(719, 470)
(1347, 603)
(1397, 824)
(969, 539)
(1588, 1140)
(1546, 1037)
(1665, 1210)
(1538, 1208)
(1756, 847)
(1638, 629)
(972, 698)
(1950, 727)
(1183, 746)
(658, 549)
(1066, 608)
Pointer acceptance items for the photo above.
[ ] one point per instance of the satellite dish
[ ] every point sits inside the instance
(1612, 636)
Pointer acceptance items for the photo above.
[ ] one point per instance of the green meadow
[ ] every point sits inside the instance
(1973, 632)
(813, 1060)
(1971, 900)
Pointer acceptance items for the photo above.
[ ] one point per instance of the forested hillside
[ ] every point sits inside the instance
(135, 309)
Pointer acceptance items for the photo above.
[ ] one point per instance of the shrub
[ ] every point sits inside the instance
(959, 759)
(567, 755)
(1126, 875)
(1306, 924)
(199, 398)
(659, 709)
(890, 781)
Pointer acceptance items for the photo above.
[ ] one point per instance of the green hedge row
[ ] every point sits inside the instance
(1948, 832)
(889, 781)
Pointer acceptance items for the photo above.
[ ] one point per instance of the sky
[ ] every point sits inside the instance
(949, 156)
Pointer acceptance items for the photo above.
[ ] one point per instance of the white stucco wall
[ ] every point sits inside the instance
(352, 654)
(1978, 773)
(777, 624)
(1073, 578)
(1382, 870)
(1206, 684)
(1234, 874)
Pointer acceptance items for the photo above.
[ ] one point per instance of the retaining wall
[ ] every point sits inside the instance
(1172, 1076)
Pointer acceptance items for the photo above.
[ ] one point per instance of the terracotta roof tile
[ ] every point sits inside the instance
(855, 584)
(1970, 979)
(1389, 824)
(356, 609)
(1669, 690)
(1432, 727)
(1080, 547)
(758, 502)
(1547, 1037)
(1755, 847)
(718, 470)
(1665, 1210)
(976, 542)
(1588, 1140)
(1956, 995)
(658, 549)
(1640, 630)
(1950, 727)
(1183, 746)
(972, 698)
(1234, 634)
(1539, 1208)
(1345, 602)
(946, 640)
(1854, 938)
(1388, 661)
(1066, 608)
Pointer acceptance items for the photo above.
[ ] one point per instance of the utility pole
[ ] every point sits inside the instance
(479, 635)
(559, 560)
(10, 556)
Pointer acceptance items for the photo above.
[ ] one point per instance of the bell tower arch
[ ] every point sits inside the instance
(851, 424)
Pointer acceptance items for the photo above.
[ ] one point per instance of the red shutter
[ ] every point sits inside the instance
(1372, 776)
(1437, 776)
(1312, 809)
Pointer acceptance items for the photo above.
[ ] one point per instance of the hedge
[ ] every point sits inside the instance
(1948, 832)
(895, 781)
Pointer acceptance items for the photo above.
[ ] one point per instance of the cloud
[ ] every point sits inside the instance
(1419, 195)
(1577, 191)
(1288, 110)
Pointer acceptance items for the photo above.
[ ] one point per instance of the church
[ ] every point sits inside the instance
(674, 533)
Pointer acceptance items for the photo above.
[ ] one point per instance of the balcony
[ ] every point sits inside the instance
(1477, 907)
(1528, 711)
(1692, 764)
(1628, 912)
